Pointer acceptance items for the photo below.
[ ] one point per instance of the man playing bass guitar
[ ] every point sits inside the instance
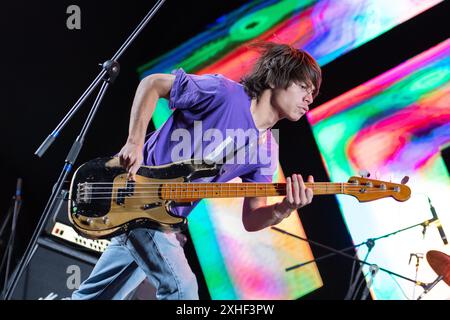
(282, 84)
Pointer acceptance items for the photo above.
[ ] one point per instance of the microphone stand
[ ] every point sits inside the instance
(370, 243)
(7, 257)
(109, 72)
(430, 286)
(418, 256)
(352, 292)
(6, 221)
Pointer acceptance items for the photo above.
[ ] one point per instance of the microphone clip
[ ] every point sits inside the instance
(418, 256)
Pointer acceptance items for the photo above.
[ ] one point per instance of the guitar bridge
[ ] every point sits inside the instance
(84, 193)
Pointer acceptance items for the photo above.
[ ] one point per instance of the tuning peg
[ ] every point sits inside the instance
(405, 180)
(364, 173)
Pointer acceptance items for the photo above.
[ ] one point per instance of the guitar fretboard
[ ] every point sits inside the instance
(189, 191)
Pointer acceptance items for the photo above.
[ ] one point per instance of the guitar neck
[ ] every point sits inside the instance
(189, 191)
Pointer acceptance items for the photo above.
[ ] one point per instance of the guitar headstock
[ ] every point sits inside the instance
(365, 189)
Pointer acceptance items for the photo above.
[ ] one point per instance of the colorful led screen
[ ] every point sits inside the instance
(393, 126)
(237, 264)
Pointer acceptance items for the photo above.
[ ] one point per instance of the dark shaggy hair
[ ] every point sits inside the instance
(280, 65)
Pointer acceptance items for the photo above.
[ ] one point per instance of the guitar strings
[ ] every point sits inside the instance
(182, 184)
(212, 188)
(209, 183)
(178, 186)
(180, 196)
(140, 192)
(166, 189)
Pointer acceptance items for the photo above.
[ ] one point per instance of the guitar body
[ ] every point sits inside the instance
(103, 203)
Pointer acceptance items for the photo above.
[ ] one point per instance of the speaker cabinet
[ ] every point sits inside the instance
(53, 272)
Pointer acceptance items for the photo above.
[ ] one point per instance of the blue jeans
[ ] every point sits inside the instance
(130, 258)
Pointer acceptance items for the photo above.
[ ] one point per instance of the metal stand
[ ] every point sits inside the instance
(7, 257)
(109, 72)
(418, 256)
(430, 286)
(370, 243)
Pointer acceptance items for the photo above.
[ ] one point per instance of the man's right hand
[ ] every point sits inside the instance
(131, 157)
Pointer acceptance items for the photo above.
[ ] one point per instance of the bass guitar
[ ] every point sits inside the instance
(104, 203)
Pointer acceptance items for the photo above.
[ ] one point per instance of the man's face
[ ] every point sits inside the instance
(293, 102)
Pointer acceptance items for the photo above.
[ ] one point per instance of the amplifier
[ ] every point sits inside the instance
(53, 272)
(69, 234)
(63, 260)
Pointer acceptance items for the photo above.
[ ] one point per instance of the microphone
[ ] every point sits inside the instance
(438, 222)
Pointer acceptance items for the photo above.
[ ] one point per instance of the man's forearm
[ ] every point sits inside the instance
(266, 216)
(144, 105)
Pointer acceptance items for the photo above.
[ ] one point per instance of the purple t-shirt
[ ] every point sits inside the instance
(211, 120)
